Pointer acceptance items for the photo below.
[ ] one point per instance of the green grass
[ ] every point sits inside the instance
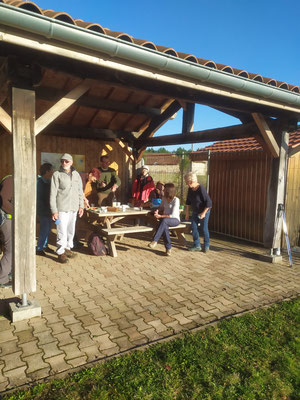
(255, 356)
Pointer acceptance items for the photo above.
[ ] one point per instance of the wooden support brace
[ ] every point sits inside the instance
(64, 103)
(125, 149)
(266, 133)
(5, 120)
(188, 118)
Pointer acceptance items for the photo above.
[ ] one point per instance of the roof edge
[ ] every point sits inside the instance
(162, 62)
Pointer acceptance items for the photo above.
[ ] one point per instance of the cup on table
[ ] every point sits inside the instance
(123, 207)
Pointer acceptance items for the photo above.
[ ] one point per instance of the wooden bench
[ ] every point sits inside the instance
(112, 233)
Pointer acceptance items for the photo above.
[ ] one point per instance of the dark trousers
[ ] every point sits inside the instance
(6, 260)
(163, 229)
(203, 229)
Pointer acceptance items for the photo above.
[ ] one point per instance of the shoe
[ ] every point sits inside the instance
(195, 248)
(206, 250)
(78, 245)
(70, 253)
(62, 258)
(40, 253)
(48, 250)
(168, 252)
(152, 245)
(6, 285)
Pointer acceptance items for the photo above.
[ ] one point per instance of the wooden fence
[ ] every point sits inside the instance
(238, 189)
(293, 200)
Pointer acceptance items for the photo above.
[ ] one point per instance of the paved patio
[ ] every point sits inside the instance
(95, 307)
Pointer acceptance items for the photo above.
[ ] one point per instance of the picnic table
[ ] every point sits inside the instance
(105, 221)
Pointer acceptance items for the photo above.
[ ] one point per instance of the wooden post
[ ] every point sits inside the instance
(276, 195)
(24, 162)
(188, 118)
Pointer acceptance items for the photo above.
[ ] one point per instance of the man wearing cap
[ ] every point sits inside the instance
(108, 183)
(142, 187)
(66, 200)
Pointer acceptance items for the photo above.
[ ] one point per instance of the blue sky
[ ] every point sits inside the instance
(260, 36)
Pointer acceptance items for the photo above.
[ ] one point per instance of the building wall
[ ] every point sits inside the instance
(199, 168)
(92, 149)
(293, 201)
(238, 188)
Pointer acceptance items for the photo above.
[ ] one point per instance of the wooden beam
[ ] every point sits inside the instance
(188, 118)
(267, 134)
(88, 133)
(125, 148)
(157, 122)
(24, 161)
(276, 195)
(5, 120)
(210, 135)
(51, 94)
(64, 103)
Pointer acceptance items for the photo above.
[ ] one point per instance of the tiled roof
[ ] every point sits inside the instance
(62, 16)
(244, 144)
(161, 158)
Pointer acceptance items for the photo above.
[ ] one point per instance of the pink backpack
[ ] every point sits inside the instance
(96, 245)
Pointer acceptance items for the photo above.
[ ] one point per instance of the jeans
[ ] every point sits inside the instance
(163, 229)
(203, 229)
(45, 227)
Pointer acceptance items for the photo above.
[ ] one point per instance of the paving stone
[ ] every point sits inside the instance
(57, 328)
(76, 329)
(16, 376)
(71, 351)
(92, 352)
(57, 363)
(30, 348)
(39, 374)
(95, 330)
(35, 362)
(104, 342)
(12, 361)
(44, 337)
(50, 349)
(76, 362)
(8, 347)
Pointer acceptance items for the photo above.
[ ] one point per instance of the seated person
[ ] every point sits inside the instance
(156, 194)
(168, 215)
(142, 186)
(90, 188)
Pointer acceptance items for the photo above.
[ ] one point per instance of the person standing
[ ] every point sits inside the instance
(43, 208)
(6, 210)
(66, 200)
(108, 183)
(199, 200)
(168, 215)
(142, 186)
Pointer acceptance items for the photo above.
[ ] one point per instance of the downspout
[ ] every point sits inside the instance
(60, 31)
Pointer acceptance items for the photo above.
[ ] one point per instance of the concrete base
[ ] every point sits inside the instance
(270, 258)
(20, 313)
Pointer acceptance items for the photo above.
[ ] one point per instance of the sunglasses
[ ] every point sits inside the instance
(65, 161)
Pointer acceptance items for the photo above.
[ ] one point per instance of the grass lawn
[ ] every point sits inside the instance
(255, 356)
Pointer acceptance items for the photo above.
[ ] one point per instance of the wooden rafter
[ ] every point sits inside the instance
(88, 133)
(209, 135)
(50, 94)
(267, 134)
(157, 122)
(64, 103)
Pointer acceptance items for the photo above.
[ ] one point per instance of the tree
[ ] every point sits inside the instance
(162, 150)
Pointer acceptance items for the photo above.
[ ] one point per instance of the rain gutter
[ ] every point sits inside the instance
(159, 62)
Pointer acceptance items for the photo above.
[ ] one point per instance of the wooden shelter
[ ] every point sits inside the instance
(90, 86)
(239, 172)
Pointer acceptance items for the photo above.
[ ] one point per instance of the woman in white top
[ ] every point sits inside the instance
(168, 215)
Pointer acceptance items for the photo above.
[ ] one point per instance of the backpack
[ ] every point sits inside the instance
(96, 245)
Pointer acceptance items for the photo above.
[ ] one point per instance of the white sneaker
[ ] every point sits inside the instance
(168, 252)
(152, 245)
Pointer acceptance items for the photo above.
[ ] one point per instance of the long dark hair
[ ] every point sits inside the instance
(170, 191)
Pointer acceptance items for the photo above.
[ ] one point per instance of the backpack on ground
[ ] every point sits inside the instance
(96, 245)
